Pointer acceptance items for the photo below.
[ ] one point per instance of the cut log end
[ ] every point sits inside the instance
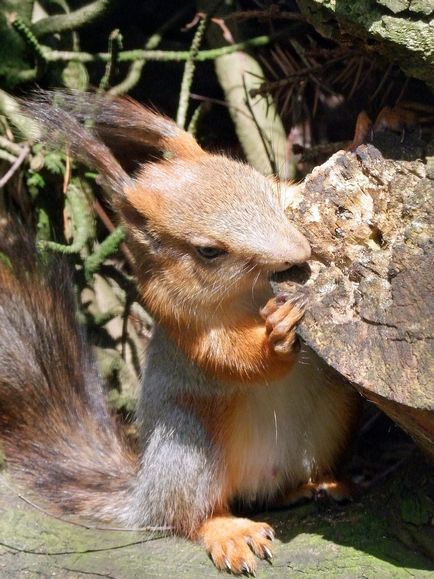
(370, 284)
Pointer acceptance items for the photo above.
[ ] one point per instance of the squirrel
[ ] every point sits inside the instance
(226, 412)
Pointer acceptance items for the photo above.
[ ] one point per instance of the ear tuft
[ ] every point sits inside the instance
(110, 134)
(60, 128)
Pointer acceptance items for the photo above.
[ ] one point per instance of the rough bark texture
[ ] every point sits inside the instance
(401, 30)
(370, 222)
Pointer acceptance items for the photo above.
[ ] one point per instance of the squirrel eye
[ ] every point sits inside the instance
(209, 252)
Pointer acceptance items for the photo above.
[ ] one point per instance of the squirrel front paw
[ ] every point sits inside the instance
(281, 315)
(232, 543)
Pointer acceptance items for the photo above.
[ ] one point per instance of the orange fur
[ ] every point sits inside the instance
(232, 542)
(216, 416)
(234, 354)
(210, 307)
(338, 490)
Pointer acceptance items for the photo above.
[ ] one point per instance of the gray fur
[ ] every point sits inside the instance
(180, 469)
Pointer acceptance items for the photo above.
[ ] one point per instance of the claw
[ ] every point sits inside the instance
(268, 553)
(246, 568)
(300, 300)
(228, 565)
(283, 297)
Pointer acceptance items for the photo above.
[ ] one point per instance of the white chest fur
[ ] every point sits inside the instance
(286, 432)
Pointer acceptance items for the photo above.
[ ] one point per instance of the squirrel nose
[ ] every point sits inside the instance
(282, 266)
(298, 251)
(296, 254)
(302, 251)
(283, 249)
(286, 265)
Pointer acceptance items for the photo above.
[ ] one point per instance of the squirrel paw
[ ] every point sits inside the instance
(281, 315)
(232, 542)
(337, 490)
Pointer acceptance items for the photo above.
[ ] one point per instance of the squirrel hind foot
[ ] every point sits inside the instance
(233, 543)
(339, 491)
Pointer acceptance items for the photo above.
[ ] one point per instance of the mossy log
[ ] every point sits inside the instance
(370, 223)
(382, 535)
(400, 30)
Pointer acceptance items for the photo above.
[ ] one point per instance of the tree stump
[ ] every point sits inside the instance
(370, 282)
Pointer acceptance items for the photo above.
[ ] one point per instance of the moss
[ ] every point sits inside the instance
(363, 539)
(404, 40)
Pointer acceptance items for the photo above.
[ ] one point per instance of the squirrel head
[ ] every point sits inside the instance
(206, 232)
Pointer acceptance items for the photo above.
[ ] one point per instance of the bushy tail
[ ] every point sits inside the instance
(111, 134)
(57, 434)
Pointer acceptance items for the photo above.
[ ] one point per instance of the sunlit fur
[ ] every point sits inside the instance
(182, 204)
(223, 414)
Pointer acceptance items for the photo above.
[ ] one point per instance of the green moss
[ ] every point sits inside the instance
(403, 40)
(367, 538)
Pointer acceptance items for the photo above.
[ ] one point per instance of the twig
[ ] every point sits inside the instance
(100, 211)
(16, 165)
(26, 34)
(268, 87)
(206, 99)
(114, 46)
(76, 552)
(381, 83)
(23, 76)
(136, 68)
(82, 220)
(68, 172)
(108, 247)
(187, 77)
(129, 299)
(10, 108)
(5, 156)
(265, 140)
(160, 55)
(312, 153)
(386, 473)
(273, 13)
(10, 146)
(195, 118)
(71, 21)
(31, 41)
(356, 79)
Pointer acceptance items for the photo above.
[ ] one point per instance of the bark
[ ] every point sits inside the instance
(400, 30)
(370, 313)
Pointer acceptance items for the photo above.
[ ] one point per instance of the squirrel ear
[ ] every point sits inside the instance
(58, 128)
(116, 136)
(134, 133)
(141, 202)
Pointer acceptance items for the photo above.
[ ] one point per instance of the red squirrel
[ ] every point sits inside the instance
(226, 411)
